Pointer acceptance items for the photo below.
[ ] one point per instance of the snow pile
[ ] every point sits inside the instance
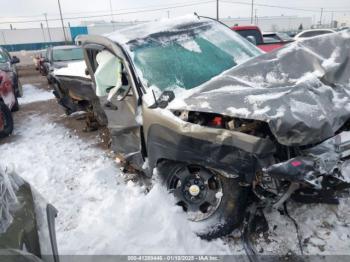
(98, 212)
(191, 45)
(33, 94)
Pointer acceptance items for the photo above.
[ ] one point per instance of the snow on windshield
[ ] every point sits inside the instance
(183, 52)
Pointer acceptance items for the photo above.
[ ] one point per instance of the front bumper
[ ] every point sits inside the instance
(330, 158)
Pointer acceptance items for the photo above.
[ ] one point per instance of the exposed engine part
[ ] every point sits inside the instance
(329, 158)
(292, 188)
(252, 127)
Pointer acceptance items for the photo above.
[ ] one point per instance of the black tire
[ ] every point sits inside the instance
(15, 107)
(8, 121)
(228, 215)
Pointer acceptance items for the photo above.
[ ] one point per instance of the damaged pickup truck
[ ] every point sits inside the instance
(27, 222)
(218, 121)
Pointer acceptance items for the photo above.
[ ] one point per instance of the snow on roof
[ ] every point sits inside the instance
(142, 30)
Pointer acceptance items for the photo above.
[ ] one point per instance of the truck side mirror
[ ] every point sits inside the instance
(251, 39)
(15, 60)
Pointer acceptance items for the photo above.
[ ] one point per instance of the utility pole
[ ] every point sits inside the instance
(217, 10)
(42, 30)
(321, 16)
(112, 17)
(168, 14)
(3, 37)
(332, 18)
(252, 13)
(256, 16)
(64, 31)
(47, 26)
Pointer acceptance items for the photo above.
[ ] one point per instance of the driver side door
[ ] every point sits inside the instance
(122, 113)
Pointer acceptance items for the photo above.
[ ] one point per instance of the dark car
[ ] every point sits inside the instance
(59, 56)
(27, 222)
(8, 64)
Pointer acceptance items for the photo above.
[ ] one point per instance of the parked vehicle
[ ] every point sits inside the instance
(39, 60)
(313, 33)
(59, 56)
(254, 35)
(189, 100)
(6, 121)
(8, 103)
(27, 226)
(8, 64)
(277, 37)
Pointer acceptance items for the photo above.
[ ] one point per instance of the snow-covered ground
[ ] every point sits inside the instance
(101, 214)
(33, 94)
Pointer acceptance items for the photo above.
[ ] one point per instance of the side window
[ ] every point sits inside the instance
(8, 56)
(3, 58)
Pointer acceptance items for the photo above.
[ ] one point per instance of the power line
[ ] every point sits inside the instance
(145, 9)
(283, 7)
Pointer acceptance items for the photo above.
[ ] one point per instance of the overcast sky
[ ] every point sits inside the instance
(24, 10)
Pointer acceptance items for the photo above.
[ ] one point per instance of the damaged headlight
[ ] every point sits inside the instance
(247, 126)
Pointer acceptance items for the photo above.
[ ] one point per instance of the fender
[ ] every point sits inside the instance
(164, 143)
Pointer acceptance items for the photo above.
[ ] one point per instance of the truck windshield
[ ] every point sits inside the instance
(189, 56)
(252, 32)
(67, 54)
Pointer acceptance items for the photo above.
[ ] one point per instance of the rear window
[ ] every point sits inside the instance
(67, 54)
(251, 32)
(315, 33)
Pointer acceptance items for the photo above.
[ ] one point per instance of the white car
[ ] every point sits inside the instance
(312, 33)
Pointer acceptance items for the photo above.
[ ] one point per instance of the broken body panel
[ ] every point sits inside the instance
(27, 225)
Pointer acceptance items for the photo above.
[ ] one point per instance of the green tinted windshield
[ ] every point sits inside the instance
(189, 57)
(68, 54)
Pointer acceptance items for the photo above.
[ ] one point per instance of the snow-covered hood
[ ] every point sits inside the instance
(76, 69)
(59, 64)
(302, 90)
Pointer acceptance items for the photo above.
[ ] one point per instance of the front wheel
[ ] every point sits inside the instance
(215, 202)
(15, 107)
(6, 121)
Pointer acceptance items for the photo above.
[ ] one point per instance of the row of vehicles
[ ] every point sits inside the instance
(180, 101)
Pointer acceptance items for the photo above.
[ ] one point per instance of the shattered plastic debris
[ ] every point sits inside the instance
(8, 199)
